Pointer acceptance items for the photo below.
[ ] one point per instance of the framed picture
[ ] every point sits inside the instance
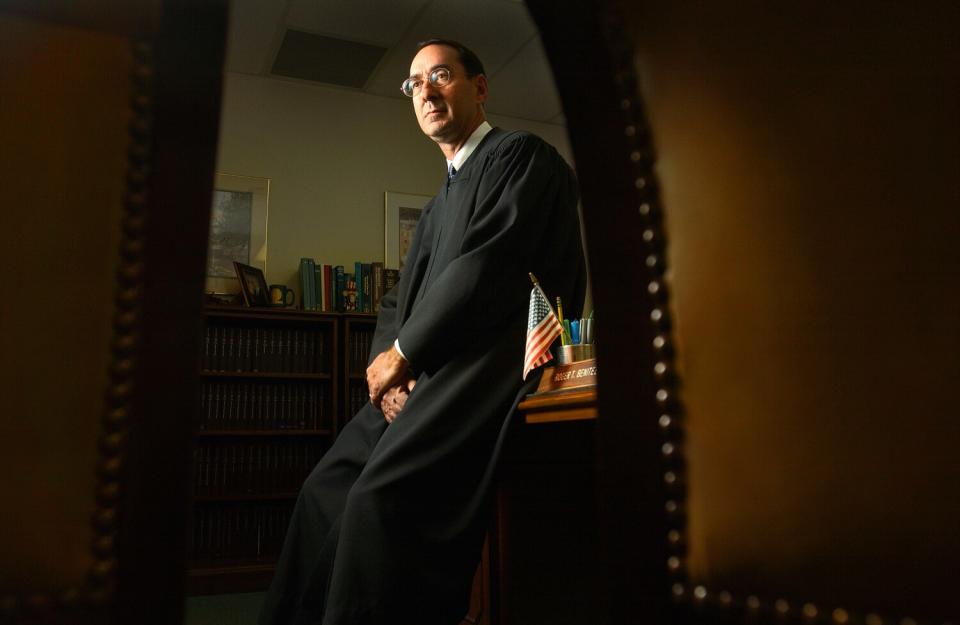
(402, 212)
(252, 284)
(238, 229)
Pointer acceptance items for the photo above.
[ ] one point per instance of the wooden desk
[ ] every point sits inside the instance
(573, 404)
(545, 546)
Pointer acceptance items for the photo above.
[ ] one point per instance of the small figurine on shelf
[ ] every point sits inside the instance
(350, 295)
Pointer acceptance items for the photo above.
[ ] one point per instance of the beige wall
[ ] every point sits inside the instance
(330, 154)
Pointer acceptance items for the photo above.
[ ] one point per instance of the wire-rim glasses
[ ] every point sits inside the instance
(438, 77)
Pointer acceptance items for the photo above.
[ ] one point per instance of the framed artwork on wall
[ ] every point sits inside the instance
(238, 229)
(401, 214)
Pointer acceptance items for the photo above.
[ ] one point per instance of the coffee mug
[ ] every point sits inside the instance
(279, 293)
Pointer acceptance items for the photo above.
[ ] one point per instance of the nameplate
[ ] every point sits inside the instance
(580, 373)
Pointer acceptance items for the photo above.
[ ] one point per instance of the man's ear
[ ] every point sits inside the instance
(481, 88)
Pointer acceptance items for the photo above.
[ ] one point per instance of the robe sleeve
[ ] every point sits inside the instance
(386, 331)
(486, 287)
(388, 319)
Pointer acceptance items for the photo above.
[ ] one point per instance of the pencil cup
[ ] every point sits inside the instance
(574, 353)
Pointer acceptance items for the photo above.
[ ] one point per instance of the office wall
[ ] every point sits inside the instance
(331, 154)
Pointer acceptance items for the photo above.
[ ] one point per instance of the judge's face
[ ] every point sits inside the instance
(447, 114)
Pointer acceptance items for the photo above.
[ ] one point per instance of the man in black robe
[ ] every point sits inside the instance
(388, 527)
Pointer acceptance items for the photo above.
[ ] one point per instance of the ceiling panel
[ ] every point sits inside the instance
(499, 31)
(370, 21)
(326, 59)
(524, 87)
(494, 29)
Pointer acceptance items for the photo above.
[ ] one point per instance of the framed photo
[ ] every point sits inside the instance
(238, 229)
(252, 284)
(402, 212)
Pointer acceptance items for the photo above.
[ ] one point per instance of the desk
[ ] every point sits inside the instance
(573, 404)
(545, 547)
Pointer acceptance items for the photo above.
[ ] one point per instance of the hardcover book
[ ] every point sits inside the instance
(376, 269)
(390, 279)
(304, 285)
(313, 283)
(328, 304)
(363, 286)
(318, 281)
(339, 286)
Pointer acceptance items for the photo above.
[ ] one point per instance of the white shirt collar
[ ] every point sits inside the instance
(467, 149)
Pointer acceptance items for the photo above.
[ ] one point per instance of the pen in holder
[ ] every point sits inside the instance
(574, 353)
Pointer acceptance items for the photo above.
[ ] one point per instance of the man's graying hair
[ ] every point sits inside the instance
(471, 62)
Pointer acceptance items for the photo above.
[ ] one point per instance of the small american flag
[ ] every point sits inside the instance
(543, 328)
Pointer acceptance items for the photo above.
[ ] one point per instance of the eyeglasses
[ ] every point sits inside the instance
(439, 77)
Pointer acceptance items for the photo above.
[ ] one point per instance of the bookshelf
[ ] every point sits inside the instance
(276, 387)
(269, 409)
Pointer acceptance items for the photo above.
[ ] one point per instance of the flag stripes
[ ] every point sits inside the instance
(543, 328)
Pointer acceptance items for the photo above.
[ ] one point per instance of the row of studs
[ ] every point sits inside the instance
(641, 157)
(99, 585)
(126, 325)
(753, 607)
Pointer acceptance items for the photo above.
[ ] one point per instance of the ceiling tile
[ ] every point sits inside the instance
(494, 29)
(378, 22)
(324, 59)
(499, 31)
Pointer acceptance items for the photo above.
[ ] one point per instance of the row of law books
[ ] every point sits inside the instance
(263, 405)
(332, 288)
(359, 395)
(360, 342)
(244, 468)
(240, 348)
(239, 533)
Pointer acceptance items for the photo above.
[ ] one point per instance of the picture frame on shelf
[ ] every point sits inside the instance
(401, 213)
(253, 285)
(238, 229)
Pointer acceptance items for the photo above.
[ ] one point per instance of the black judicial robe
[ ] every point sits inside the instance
(389, 526)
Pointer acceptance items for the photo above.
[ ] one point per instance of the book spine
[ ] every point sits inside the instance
(377, 270)
(321, 292)
(390, 279)
(311, 298)
(304, 285)
(367, 291)
(358, 278)
(339, 286)
(327, 282)
(314, 292)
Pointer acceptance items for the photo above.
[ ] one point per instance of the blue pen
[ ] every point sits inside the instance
(575, 332)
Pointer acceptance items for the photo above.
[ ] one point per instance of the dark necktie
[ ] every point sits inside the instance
(451, 173)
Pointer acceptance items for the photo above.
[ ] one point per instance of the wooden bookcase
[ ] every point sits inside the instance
(269, 409)
(276, 387)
